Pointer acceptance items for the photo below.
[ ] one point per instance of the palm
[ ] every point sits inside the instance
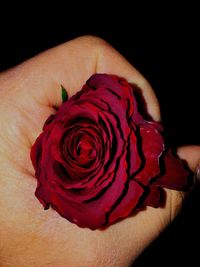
(30, 93)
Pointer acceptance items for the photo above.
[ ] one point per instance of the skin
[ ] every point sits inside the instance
(30, 236)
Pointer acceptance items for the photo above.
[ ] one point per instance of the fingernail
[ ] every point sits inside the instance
(197, 175)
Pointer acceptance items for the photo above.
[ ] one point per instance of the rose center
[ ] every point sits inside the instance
(80, 148)
(85, 149)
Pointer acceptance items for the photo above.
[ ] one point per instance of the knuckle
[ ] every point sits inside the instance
(93, 40)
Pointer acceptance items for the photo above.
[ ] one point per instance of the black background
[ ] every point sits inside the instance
(164, 47)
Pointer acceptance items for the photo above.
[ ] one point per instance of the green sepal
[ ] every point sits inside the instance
(64, 94)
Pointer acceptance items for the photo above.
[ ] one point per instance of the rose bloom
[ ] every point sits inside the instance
(98, 160)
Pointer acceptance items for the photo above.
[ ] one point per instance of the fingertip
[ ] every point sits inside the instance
(191, 154)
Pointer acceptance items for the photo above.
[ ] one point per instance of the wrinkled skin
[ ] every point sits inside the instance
(29, 235)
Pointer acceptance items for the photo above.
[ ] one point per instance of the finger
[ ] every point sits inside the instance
(40, 78)
(71, 64)
(191, 154)
(35, 84)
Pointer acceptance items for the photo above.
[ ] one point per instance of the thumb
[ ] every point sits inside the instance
(191, 154)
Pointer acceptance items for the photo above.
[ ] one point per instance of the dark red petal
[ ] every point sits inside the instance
(48, 121)
(176, 176)
(91, 216)
(90, 96)
(51, 144)
(128, 202)
(135, 160)
(80, 195)
(152, 148)
(43, 194)
(153, 198)
(93, 213)
(70, 111)
(36, 151)
(110, 82)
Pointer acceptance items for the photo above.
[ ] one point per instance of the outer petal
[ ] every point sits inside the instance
(154, 197)
(110, 82)
(152, 148)
(36, 151)
(176, 176)
(49, 120)
(134, 157)
(129, 201)
(79, 194)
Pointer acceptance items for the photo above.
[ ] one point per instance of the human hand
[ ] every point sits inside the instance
(29, 235)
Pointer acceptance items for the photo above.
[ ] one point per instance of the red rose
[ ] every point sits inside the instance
(97, 159)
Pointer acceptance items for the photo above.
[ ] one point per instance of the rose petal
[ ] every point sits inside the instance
(134, 158)
(128, 202)
(77, 111)
(36, 151)
(48, 121)
(153, 198)
(110, 82)
(176, 176)
(152, 148)
(79, 195)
